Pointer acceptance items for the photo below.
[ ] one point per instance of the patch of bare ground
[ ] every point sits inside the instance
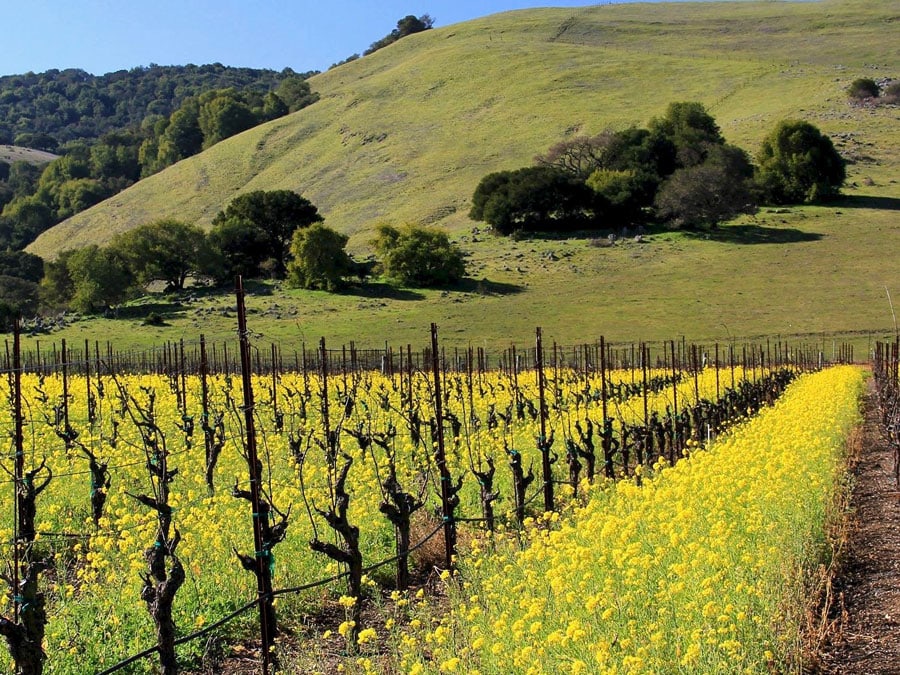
(861, 635)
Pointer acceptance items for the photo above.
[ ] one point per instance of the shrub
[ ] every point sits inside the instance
(862, 89)
(419, 256)
(891, 93)
(799, 164)
(154, 319)
(319, 259)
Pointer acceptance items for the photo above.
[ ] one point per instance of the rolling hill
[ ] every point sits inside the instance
(405, 134)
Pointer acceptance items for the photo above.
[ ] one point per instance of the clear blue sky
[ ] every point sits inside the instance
(102, 36)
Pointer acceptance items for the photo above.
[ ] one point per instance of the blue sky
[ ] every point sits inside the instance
(102, 36)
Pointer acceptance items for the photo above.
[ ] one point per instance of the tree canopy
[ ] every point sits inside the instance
(679, 171)
(167, 250)
(319, 259)
(690, 129)
(89, 279)
(240, 246)
(419, 256)
(46, 110)
(705, 194)
(532, 199)
(276, 214)
(799, 164)
(18, 297)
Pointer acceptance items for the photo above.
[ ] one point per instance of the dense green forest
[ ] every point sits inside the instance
(46, 110)
(114, 130)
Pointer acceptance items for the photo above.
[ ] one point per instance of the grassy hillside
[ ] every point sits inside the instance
(406, 133)
(15, 153)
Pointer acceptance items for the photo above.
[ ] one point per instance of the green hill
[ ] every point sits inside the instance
(404, 135)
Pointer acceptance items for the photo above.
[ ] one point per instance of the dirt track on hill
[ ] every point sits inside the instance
(865, 639)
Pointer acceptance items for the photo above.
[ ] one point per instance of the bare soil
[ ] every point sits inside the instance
(865, 635)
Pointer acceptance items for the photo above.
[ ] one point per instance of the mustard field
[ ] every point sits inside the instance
(690, 568)
(699, 569)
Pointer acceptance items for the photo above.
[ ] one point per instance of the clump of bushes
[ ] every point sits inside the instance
(863, 88)
(866, 91)
(678, 171)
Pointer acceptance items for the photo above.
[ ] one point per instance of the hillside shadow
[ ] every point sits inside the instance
(867, 202)
(756, 234)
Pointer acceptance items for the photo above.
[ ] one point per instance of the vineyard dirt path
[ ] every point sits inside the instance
(866, 638)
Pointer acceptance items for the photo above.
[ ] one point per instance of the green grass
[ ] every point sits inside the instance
(404, 135)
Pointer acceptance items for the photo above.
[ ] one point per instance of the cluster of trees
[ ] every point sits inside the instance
(202, 121)
(250, 237)
(408, 25)
(33, 199)
(412, 256)
(263, 234)
(679, 170)
(867, 90)
(20, 274)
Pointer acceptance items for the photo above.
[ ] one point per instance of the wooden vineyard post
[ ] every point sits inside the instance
(731, 363)
(213, 429)
(645, 357)
(470, 382)
(643, 447)
(68, 436)
(267, 625)
(606, 434)
(513, 372)
(278, 415)
(449, 498)
(182, 383)
(87, 385)
(695, 366)
(718, 392)
(673, 451)
(330, 440)
(25, 633)
(544, 443)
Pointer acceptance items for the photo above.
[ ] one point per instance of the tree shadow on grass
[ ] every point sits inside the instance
(165, 310)
(381, 290)
(252, 287)
(487, 287)
(866, 202)
(386, 291)
(756, 234)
